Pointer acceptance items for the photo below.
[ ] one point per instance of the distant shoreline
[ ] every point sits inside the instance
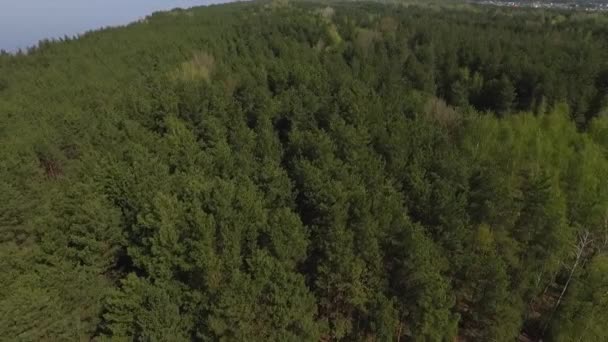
(590, 6)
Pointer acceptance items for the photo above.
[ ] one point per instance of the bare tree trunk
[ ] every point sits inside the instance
(399, 331)
(583, 241)
(535, 297)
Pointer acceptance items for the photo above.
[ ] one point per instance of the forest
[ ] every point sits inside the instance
(309, 171)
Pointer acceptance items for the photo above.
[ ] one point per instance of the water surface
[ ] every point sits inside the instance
(25, 22)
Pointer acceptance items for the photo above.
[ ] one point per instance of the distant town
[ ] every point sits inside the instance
(583, 5)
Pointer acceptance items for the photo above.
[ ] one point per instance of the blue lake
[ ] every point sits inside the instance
(25, 22)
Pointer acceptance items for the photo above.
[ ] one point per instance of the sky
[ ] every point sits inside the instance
(24, 22)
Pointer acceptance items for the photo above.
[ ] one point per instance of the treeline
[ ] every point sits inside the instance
(276, 171)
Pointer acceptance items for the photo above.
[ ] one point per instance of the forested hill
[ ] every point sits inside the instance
(274, 171)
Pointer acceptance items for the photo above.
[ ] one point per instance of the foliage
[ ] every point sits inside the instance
(297, 171)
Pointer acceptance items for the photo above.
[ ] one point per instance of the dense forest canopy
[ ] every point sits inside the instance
(298, 171)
